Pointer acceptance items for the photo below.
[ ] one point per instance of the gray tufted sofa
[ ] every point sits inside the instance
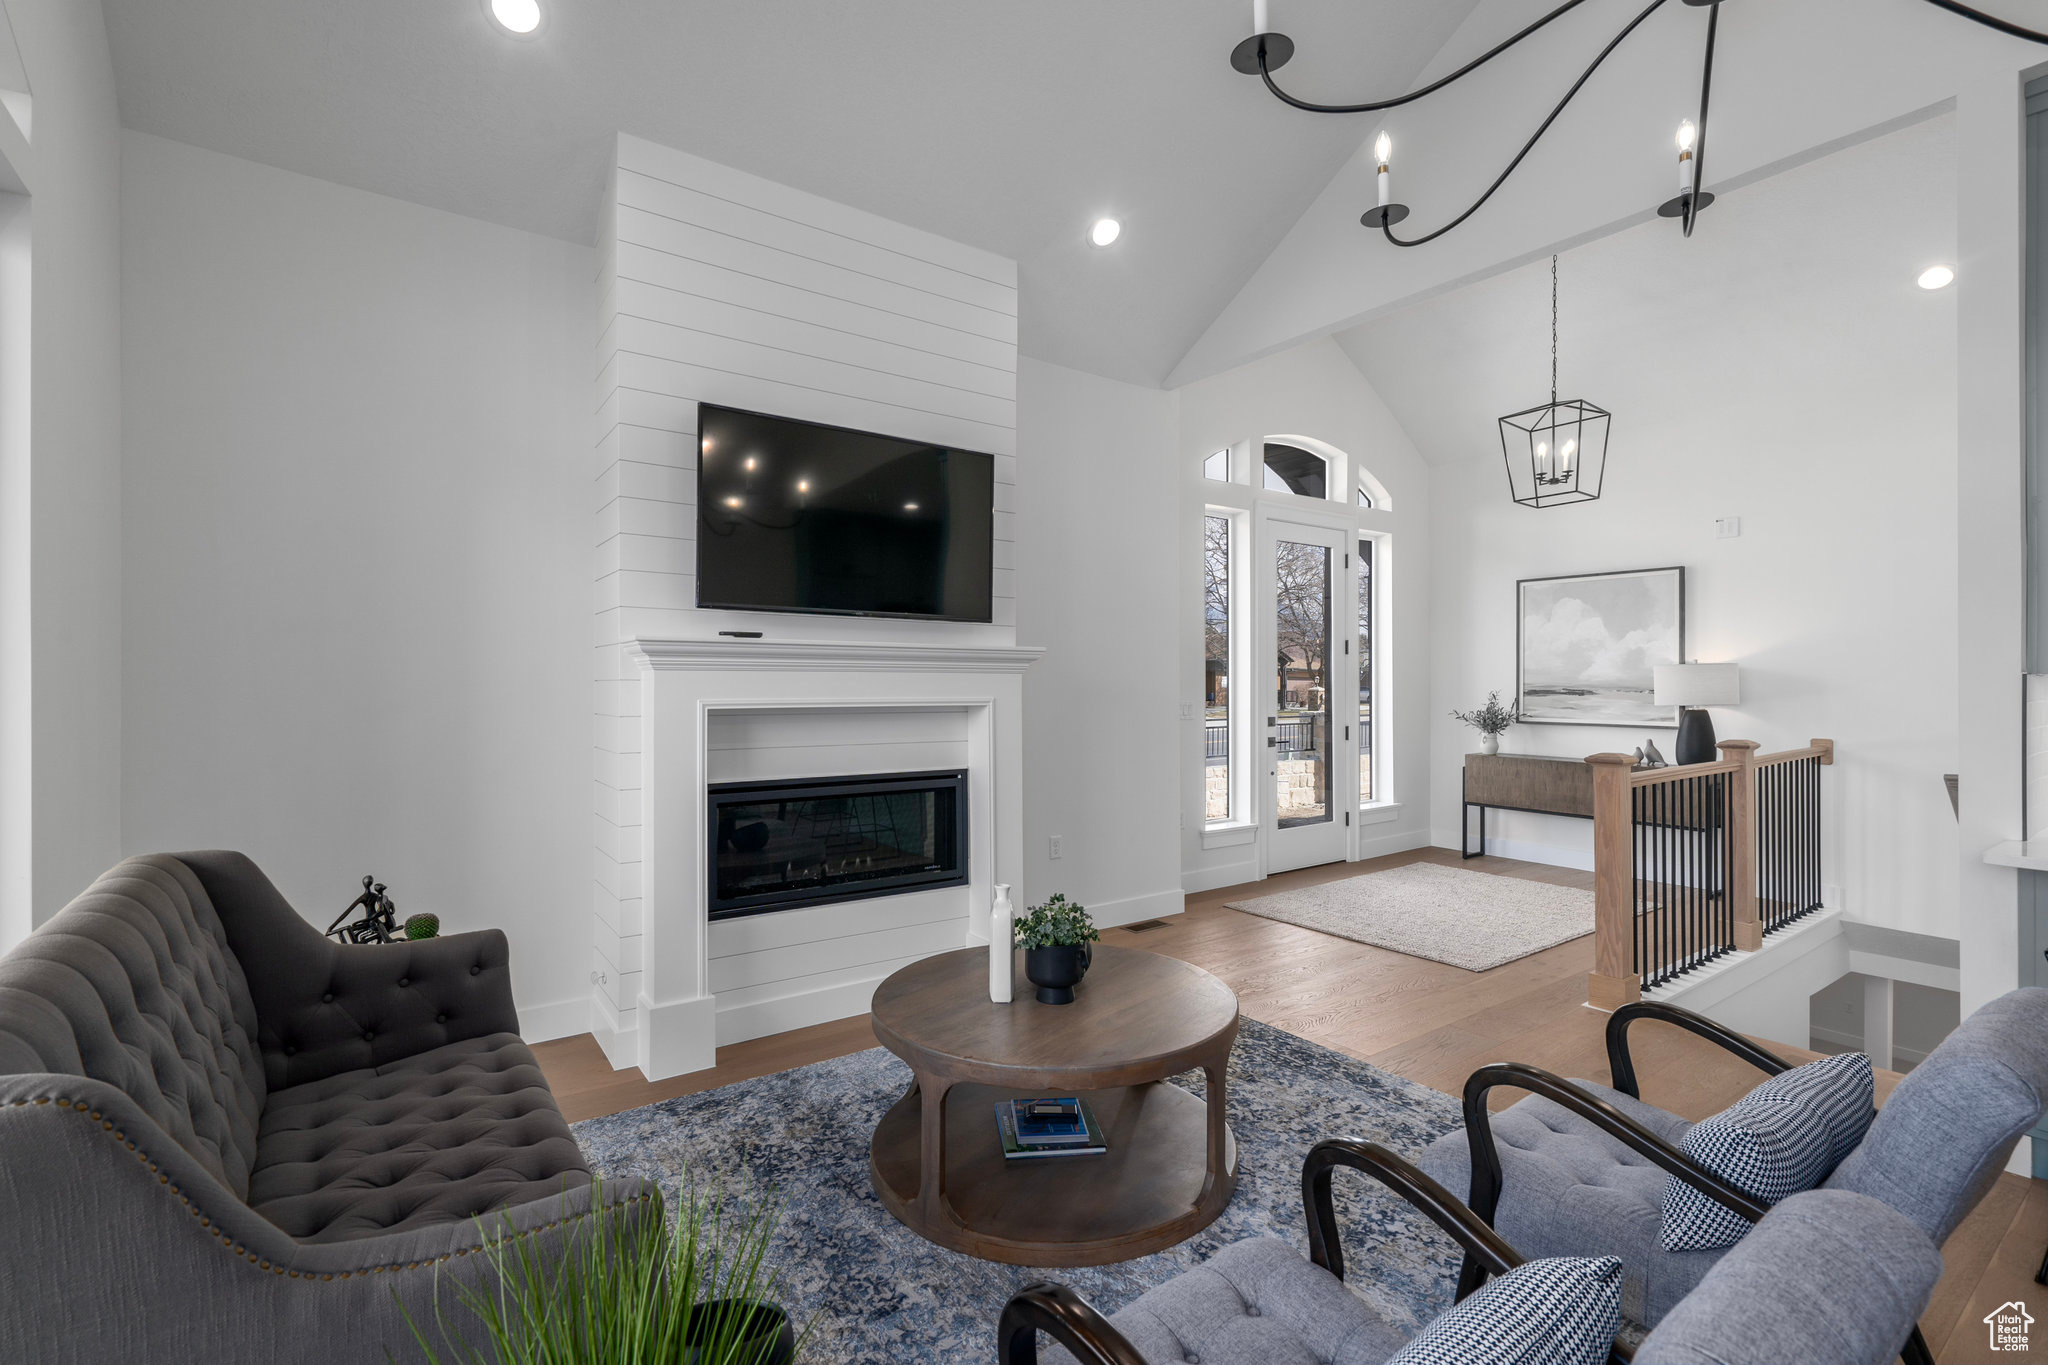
(225, 1138)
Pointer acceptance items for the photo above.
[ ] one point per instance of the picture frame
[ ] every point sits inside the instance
(1587, 645)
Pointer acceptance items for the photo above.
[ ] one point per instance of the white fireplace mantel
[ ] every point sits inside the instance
(795, 655)
(701, 986)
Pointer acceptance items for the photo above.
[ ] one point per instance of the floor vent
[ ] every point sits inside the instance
(1145, 924)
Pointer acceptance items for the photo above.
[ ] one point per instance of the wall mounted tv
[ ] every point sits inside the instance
(795, 516)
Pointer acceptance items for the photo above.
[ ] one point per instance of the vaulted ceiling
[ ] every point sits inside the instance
(1009, 126)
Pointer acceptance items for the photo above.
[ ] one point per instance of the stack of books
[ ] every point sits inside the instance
(1061, 1125)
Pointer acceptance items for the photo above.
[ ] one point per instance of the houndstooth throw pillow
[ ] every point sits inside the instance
(1841, 1088)
(1783, 1137)
(1561, 1311)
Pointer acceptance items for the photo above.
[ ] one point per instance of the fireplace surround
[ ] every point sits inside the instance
(777, 845)
(706, 713)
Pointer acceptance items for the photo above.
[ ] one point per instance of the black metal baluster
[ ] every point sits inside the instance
(1770, 850)
(1813, 816)
(1663, 881)
(1670, 877)
(1689, 948)
(1635, 908)
(1654, 803)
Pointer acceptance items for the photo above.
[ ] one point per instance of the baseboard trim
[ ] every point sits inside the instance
(1131, 909)
(1380, 846)
(1909, 1055)
(563, 1019)
(1522, 850)
(1197, 879)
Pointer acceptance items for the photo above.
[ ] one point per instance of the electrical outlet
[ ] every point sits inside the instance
(1056, 846)
(1727, 528)
(1187, 710)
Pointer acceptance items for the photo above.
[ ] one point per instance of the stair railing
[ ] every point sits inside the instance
(1700, 860)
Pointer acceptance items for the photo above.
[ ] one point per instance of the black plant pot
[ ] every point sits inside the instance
(769, 1338)
(1056, 971)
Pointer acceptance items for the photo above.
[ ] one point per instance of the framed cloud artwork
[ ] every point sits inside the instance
(1587, 645)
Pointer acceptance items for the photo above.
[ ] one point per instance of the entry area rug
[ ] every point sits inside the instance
(882, 1295)
(1453, 915)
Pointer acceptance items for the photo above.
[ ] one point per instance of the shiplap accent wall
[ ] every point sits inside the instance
(719, 286)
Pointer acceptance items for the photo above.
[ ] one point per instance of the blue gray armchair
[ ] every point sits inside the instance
(1579, 1168)
(1828, 1277)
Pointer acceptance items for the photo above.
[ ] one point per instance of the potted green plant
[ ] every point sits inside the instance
(701, 1290)
(1490, 720)
(1055, 938)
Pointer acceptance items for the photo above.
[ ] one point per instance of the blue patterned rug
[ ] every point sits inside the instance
(883, 1294)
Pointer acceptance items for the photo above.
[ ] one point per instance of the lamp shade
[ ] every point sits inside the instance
(1698, 684)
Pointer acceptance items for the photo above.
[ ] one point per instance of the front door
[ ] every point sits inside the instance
(1300, 678)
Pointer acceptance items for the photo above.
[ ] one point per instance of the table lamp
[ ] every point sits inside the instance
(1692, 687)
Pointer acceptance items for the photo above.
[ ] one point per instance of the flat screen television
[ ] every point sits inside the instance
(795, 516)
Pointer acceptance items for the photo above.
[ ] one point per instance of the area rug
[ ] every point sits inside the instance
(1453, 915)
(877, 1292)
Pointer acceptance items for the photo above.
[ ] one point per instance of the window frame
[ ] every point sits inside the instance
(1241, 500)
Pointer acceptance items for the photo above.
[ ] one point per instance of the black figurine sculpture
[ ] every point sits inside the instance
(379, 923)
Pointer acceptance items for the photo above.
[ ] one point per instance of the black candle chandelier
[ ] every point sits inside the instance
(1556, 453)
(1266, 52)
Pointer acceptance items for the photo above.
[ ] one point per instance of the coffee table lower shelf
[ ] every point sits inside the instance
(1150, 1190)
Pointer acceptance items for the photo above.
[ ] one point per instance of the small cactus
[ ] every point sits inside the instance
(423, 926)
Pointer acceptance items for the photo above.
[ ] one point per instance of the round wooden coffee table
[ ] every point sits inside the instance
(1137, 1018)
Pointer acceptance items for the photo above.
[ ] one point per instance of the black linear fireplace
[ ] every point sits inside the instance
(775, 845)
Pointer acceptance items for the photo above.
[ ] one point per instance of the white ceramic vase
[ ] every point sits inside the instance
(1489, 744)
(1002, 958)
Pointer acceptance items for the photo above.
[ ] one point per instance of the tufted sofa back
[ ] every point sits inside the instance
(134, 984)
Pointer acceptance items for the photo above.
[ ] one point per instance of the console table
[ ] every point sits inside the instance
(1542, 783)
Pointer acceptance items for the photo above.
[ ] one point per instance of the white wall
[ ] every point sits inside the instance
(1991, 490)
(1097, 583)
(60, 746)
(1312, 390)
(357, 530)
(1781, 367)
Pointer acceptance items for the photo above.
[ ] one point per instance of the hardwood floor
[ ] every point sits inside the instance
(1434, 1024)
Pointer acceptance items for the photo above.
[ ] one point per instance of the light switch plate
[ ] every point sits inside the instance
(1727, 528)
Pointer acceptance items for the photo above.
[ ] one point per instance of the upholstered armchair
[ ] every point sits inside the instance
(225, 1138)
(1827, 1278)
(1580, 1168)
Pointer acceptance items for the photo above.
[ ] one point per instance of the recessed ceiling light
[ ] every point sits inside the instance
(1937, 277)
(910, 507)
(1105, 231)
(732, 502)
(517, 16)
(803, 485)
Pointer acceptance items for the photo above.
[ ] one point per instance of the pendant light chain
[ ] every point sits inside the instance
(1556, 453)
(1553, 331)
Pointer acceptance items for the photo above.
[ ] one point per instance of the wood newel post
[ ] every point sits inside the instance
(1741, 816)
(1827, 752)
(1614, 981)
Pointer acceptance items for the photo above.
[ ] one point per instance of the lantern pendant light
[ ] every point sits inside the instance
(1556, 453)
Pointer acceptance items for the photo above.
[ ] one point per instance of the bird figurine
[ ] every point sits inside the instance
(1657, 760)
(1638, 755)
